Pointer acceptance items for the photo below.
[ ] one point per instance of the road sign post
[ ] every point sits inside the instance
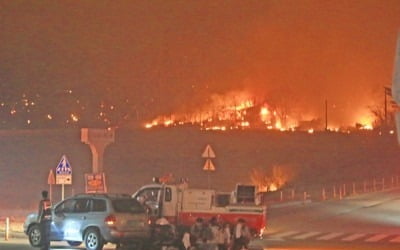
(63, 174)
(51, 180)
(208, 166)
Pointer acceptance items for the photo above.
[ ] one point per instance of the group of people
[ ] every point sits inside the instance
(213, 235)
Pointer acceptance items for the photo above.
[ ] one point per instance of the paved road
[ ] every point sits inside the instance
(23, 244)
(364, 222)
(370, 221)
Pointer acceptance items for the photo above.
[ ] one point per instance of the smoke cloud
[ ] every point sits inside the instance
(173, 56)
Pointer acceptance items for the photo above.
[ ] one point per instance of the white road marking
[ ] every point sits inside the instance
(305, 235)
(353, 237)
(285, 234)
(377, 237)
(395, 240)
(330, 236)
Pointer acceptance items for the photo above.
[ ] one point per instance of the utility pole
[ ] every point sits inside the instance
(326, 114)
(386, 90)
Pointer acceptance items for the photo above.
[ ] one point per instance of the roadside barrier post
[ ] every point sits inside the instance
(323, 194)
(344, 189)
(340, 193)
(293, 194)
(281, 195)
(334, 191)
(7, 233)
(354, 188)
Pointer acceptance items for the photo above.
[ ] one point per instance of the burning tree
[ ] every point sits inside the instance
(270, 180)
(382, 118)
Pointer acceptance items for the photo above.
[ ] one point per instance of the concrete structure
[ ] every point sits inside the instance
(98, 140)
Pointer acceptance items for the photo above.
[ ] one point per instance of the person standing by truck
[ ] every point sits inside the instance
(241, 235)
(44, 219)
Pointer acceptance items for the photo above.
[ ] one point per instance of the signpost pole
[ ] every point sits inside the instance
(208, 177)
(51, 192)
(63, 174)
(62, 191)
(51, 181)
(208, 166)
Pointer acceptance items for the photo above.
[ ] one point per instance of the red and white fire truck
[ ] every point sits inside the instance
(182, 205)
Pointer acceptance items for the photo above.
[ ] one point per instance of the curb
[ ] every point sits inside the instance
(290, 203)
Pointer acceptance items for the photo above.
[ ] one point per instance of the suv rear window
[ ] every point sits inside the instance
(99, 205)
(127, 206)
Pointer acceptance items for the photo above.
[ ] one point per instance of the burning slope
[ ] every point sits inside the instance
(242, 110)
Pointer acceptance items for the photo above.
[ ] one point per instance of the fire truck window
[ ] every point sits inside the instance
(150, 194)
(168, 194)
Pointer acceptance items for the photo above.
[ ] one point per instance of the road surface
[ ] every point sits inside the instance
(368, 221)
(362, 222)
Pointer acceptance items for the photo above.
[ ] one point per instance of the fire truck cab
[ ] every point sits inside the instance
(182, 205)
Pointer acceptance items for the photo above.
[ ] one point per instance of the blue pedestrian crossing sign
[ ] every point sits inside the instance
(64, 171)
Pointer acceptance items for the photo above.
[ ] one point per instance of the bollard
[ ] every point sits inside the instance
(293, 194)
(281, 195)
(340, 193)
(323, 194)
(304, 197)
(344, 189)
(354, 188)
(334, 191)
(7, 233)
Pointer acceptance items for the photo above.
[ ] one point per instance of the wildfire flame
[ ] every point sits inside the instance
(239, 110)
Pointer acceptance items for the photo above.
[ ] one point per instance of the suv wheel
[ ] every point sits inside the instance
(93, 239)
(35, 236)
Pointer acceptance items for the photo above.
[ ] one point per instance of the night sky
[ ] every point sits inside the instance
(148, 58)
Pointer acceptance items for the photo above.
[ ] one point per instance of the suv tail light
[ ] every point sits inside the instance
(110, 220)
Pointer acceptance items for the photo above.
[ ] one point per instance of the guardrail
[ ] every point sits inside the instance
(328, 192)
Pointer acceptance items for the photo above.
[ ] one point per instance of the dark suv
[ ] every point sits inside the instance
(94, 219)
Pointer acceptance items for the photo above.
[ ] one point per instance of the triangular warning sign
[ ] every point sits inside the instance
(51, 180)
(208, 152)
(209, 166)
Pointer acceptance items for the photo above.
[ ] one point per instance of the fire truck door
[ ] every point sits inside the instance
(170, 202)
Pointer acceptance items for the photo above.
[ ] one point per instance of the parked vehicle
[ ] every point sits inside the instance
(95, 219)
(182, 205)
